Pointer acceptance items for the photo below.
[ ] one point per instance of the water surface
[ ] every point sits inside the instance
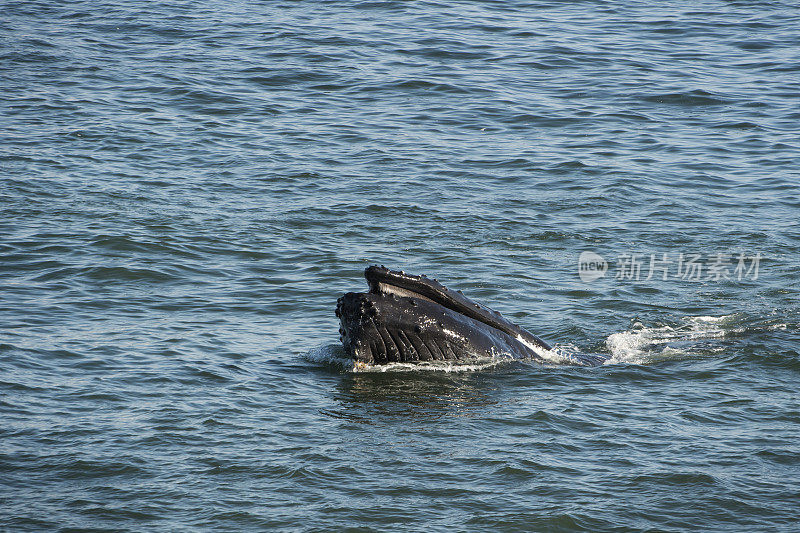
(186, 189)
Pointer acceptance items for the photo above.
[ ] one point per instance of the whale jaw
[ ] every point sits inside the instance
(409, 319)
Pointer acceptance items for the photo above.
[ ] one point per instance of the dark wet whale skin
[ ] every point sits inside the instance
(408, 319)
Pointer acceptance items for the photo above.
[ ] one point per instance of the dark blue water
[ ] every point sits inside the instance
(186, 188)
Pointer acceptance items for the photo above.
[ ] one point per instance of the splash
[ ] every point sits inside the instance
(693, 336)
(569, 354)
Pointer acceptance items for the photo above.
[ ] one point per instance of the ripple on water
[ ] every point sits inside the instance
(186, 189)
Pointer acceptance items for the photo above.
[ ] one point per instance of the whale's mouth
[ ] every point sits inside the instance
(388, 288)
(384, 281)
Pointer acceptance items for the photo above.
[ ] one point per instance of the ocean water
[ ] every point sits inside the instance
(187, 187)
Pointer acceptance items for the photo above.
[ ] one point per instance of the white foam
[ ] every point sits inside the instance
(558, 354)
(564, 354)
(708, 318)
(642, 344)
(439, 366)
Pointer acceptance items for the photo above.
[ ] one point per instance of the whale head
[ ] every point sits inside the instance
(405, 318)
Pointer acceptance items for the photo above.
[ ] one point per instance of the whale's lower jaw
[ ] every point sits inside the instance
(379, 328)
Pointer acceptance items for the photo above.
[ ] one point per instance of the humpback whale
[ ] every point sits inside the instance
(412, 319)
